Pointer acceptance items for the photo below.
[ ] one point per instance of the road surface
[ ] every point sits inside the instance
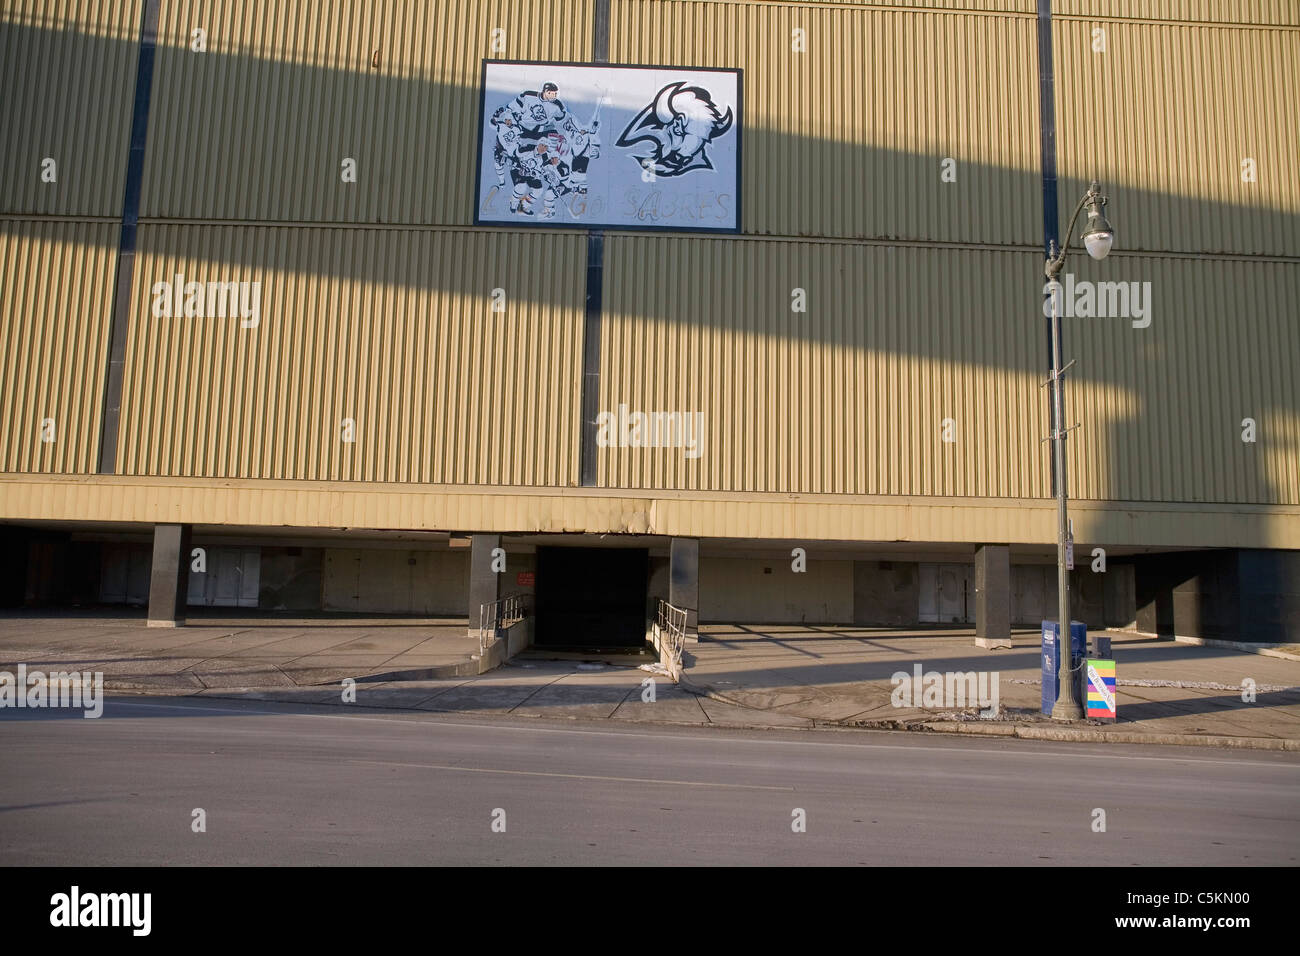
(285, 784)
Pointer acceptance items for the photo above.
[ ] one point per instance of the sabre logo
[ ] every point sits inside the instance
(75, 909)
(679, 124)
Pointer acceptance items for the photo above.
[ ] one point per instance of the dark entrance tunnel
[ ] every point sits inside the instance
(591, 598)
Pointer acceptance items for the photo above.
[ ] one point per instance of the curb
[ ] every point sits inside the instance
(467, 668)
(1032, 731)
(1265, 650)
(1079, 735)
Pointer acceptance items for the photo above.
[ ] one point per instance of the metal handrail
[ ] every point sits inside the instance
(671, 623)
(499, 614)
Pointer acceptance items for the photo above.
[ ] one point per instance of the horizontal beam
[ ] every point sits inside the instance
(410, 507)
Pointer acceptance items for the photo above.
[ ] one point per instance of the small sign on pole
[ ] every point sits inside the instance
(1101, 690)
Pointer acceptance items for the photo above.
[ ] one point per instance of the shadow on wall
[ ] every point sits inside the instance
(240, 156)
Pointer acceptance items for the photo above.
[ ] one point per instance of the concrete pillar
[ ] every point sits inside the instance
(169, 575)
(484, 583)
(993, 596)
(684, 581)
(1120, 596)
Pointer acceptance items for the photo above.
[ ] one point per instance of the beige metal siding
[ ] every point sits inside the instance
(257, 127)
(55, 304)
(848, 138)
(1276, 12)
(1161, 407)
(986, 6)
(847, 398)
(850, 397)
(1164, 119)
(391, 328)
(310, 504)
(67, 72)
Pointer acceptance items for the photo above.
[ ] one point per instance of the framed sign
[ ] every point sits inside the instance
(601, 146)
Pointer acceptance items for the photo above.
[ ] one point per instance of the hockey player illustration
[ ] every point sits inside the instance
(681, 121)
(584, 146)
(520, 126)
(546, 150)
(553, 172)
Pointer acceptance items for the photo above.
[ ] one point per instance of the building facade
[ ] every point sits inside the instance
(388, 392)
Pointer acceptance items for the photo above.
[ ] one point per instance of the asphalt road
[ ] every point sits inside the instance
(282, 784)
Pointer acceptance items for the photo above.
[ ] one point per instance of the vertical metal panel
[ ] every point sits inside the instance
(1164, 119)
(849, 397)
(1161, 407)
(257, 127)
(1275, 12)
(67, 69)
(847, 138)
(391, 328)
(55, 303)
(994, 6)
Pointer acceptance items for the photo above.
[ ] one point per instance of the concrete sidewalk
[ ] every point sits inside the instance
(1167, 691)
(304, 660)
(736, 676)
(237, 650)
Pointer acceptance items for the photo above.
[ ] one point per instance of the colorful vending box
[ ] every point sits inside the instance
(1100, 677)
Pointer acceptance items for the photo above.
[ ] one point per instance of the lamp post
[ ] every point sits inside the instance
(1097, 237)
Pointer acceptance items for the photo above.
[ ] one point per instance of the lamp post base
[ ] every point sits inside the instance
(1067, 710)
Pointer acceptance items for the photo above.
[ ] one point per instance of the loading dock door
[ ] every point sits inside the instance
(591, 597)
(945, 594)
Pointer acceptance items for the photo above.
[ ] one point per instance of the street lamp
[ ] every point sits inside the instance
(1097, 238)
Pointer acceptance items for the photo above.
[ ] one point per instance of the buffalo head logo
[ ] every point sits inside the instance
(681, 122)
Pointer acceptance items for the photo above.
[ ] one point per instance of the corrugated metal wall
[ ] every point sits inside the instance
(1161, 407)
(54, 307)
(847, 139)
(391, 328)
(850, 397)
(257, 128)
(363, 318)
(1164, 119)
(67, 72)
(847, 398)
(1278, 12)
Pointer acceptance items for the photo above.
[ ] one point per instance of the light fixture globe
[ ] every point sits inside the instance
(1099, 242)
(1099, 236)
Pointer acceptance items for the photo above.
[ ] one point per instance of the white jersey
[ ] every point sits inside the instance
(508, 139)
(534, 114)
(584, 142)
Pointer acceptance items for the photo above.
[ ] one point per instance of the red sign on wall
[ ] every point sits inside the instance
(525, 579)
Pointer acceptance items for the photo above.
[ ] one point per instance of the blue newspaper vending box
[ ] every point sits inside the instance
(1051, 645)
